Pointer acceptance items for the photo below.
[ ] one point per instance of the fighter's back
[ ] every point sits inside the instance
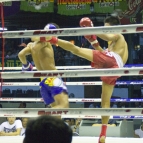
(43, 56)
(120, 47)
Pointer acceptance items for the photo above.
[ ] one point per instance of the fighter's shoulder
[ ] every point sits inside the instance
(121, 37)
(30, 44)
(118, 36)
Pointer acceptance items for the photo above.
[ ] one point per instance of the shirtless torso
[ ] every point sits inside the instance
(120, 47)
(43, 57)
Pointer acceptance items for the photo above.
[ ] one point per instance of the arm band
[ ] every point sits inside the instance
(43, 39)
(95, 43)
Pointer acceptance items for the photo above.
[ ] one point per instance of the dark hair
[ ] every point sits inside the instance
(112, 20)
(47, 129)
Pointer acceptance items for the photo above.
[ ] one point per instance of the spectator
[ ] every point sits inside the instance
(72, 122)
(137, 105)
(94, 105)
(139, 132)
(75, 128)
(122, 105)
(12, 127)
(22, 105)
(114, 105)
(24, 124)
(67, 121)
(47, 129)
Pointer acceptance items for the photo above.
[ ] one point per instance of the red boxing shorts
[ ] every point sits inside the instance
(106, 59)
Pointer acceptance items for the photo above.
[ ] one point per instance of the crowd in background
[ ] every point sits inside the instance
(118, 105)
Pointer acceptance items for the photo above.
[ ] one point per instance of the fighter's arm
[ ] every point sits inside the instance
(23, 53)
(109, 37)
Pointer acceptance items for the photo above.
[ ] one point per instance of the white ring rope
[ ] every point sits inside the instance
(124, 29)
(70, 83)
(73, 73)
(70, 99)
(66, 67)
(37, 83)
(72, 112)
(57, 67)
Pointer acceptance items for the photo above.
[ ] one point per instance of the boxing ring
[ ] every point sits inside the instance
(76, 71)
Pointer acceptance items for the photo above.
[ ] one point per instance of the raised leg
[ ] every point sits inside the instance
(81, 52)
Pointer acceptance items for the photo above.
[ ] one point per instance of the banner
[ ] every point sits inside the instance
(11, 63)
(37, 6)
(73, 7)
(133, 13)
(80, 7)
(109, 7)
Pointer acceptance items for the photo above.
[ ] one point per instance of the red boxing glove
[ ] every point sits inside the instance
(53, 40)
(92, 39)
(85, 22)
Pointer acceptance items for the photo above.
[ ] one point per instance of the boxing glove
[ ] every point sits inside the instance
(86, 22)
(27, 67)
(92, 39)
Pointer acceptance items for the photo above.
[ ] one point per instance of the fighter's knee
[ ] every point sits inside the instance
(65, 104)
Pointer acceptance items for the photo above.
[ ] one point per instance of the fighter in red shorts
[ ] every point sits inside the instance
(115, 56)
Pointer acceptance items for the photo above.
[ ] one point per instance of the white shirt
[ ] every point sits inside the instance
(22, 132)
(7, 128)
(139, 132)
